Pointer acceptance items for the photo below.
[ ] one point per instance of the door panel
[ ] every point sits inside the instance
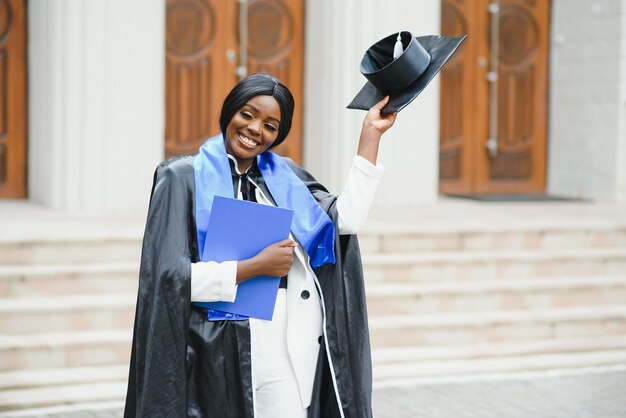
(275, 46)
(197, 73)
(202, 50)
(13, 108)
(457, 90)
(519, 165)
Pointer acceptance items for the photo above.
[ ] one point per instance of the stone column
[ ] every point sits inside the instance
(587, 127)
(95, 102)
(337, 35)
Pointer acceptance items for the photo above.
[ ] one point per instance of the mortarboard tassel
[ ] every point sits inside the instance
(397, 48)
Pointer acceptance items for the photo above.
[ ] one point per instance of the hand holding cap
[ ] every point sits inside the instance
(401, 66)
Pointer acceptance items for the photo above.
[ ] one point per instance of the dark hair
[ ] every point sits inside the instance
(259, 85)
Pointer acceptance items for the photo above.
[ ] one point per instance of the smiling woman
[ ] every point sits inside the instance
(252, 130)
(189, 361)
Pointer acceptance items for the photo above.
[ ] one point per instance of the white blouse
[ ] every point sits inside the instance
(212, 281)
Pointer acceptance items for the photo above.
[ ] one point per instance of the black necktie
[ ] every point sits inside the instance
(247, 188)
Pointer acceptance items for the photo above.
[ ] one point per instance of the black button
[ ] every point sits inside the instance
(319, 339)
(305, 294)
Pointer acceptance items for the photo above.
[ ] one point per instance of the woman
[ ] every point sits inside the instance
(313, 358)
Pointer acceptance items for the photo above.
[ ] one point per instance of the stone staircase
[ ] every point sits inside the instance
(458, 300)
(67, 304)
(446, 298)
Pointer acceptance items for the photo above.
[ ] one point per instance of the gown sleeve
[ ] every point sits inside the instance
(157, 383)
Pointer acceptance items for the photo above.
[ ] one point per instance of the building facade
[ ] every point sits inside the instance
(98, 75)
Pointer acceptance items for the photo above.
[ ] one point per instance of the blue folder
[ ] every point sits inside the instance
(238, 230)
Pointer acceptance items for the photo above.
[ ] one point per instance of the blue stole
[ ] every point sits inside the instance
(311, 226)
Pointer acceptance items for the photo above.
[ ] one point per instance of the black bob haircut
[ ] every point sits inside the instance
(259, 84)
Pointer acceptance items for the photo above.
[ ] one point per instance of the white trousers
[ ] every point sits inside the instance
(273, 379)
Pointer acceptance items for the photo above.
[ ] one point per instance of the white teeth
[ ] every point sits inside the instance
(247, 141)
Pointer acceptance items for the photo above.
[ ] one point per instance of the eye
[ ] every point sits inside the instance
(246, 114)
(271, 127)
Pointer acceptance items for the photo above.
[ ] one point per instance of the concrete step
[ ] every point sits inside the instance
(463, 328)
(483, 265)
(67, 313)
(32, 234)
(68, 279)
(14, 399)
(409, 237)
(400, 355)
(419, 369)
(59, 250)
(85, 241)
(20, 379)
(65, 349)
(506, 294)
(28, 389)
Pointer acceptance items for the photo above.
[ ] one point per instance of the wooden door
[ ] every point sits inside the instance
(457, 118)
(202, 50)
(276, 46)
(13, 109)
(519, 164)
(197, 73)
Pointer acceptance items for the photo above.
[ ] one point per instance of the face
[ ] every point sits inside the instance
(252, 129)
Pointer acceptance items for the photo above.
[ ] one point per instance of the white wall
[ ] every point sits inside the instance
(337, 35)
(587, 136)
(621, 183)
(95, 102)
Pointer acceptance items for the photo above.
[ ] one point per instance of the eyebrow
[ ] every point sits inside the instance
(257, 110)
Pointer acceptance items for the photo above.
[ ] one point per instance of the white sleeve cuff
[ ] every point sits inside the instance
(367, 167)
(214, 282)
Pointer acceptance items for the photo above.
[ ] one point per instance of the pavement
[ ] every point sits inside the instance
(588, 393)
(593, 394)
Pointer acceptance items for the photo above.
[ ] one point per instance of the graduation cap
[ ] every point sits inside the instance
(401, 66)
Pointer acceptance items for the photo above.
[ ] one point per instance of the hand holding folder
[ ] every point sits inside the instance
(239, 230)
(274, 261)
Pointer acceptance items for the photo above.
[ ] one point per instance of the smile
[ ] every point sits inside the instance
(247, 141)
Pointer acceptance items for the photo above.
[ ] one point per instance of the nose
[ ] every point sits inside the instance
(254, 126)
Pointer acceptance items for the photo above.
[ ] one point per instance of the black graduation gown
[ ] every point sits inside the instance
(185, 366)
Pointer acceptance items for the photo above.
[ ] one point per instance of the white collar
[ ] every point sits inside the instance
(233, 159)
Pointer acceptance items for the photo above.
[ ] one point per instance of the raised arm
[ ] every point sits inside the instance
(374, 126)
(354, 202)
